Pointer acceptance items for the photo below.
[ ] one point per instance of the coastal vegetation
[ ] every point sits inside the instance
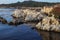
(27, 4)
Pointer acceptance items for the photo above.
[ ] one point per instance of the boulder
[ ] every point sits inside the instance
(49, 24)
(34, 16)
(19, 13)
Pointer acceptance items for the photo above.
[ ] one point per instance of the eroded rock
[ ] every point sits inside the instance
(19, 13)
(28, 15)
(49, 24)
(47, 10)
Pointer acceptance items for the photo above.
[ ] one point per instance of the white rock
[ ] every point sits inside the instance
(53, 27)
(39, 25)
(46, 25)
(33, 16)
(29, 15)
(19, 13)
(57, 28)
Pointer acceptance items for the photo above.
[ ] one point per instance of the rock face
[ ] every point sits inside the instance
(49, 24)
(28, 15)
(19, 13)
(33, 16)
(47, 10)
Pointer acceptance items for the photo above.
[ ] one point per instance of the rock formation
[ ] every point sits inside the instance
(49, 24)
(47, 10)
(28, 15)
(46, 17)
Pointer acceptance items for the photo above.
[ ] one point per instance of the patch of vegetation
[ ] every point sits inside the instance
(28, 4)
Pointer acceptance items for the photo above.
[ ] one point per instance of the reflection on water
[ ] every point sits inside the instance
(49, 35)
(20, 32)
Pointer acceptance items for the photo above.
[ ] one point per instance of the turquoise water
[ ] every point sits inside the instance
(20, 32)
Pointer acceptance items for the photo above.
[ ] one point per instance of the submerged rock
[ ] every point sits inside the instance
(15, 22)
(3, 20)
(11, 23)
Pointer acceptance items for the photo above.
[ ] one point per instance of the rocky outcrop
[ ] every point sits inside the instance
(47, 10)
(45, 17)
(33, 16)
(28, 15)
(19, 13)
(49, 24)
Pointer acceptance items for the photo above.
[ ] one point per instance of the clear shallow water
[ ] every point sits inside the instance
(20, 32)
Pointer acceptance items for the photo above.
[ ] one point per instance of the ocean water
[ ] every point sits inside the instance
(20, 32)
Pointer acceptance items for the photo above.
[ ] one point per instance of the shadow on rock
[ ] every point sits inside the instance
(15, 23)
